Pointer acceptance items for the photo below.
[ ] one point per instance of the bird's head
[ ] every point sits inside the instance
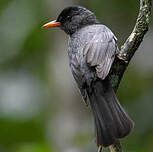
(73, 18)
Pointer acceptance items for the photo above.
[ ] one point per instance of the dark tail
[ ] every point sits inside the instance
(111, 121)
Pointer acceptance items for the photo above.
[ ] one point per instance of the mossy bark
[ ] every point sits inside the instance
(128, 49)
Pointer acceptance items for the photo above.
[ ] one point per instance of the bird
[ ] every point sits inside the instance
(92, 48)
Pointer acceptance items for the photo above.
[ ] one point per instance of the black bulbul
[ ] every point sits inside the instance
(91, 49)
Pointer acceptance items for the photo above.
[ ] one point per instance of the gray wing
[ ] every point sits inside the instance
(75, 68)
(100, 52)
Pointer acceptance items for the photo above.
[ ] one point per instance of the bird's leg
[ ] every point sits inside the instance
(100, 148)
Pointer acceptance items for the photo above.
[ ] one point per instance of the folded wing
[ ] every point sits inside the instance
(100, 52)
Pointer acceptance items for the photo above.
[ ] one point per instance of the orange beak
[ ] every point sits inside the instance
(51, 24)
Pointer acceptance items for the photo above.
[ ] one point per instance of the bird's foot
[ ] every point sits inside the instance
(100, 148)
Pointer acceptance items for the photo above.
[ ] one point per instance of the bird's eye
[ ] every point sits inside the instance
(68, 17)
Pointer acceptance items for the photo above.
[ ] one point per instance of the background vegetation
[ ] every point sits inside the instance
(40, 107)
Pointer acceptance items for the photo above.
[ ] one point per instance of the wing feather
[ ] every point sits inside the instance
(100, 52)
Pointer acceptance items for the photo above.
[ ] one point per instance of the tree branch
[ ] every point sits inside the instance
(128, 49)
(132, 43)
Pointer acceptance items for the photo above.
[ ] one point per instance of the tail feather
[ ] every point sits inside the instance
(111, 121)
